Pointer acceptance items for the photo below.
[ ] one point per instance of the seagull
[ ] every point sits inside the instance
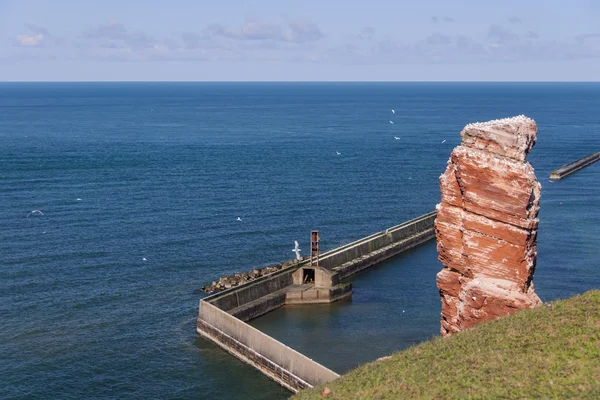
(338, 153)
(238, 219)
(396, 137)
(296, 250)
(393, 111)
(444, 141)
(391, 122)
(35, 212)
(144, 259)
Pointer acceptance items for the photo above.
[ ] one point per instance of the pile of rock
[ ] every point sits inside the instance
(227, 282)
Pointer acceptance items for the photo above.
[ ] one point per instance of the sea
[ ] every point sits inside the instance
(140, 185)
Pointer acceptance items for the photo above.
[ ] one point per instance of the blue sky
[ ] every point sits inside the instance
(430, 40)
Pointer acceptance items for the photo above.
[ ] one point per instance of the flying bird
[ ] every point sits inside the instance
(296, 250)
(78, 199)
(391, 122)
(338, 153)
(444, 141)
(144, 259)
(396, 137)
(238, 219)
(35, 212)
(393, 111)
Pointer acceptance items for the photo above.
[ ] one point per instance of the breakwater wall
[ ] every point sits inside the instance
(268, 289)
(222, 316)
(279, 362)
(575, 166)
(371, 250)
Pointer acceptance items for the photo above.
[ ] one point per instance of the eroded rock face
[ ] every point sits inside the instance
(486, 224)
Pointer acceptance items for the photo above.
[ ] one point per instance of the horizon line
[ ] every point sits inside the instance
(295, 81)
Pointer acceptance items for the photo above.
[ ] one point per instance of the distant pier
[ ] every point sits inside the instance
(575, 166)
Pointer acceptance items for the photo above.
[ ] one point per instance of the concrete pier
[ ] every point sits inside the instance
(222, 316)
(279, 362)
(372, 250)
(575, 166)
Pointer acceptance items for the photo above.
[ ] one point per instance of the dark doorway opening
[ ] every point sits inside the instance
(308, 275)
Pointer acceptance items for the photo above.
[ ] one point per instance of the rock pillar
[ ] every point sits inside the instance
(486, 225)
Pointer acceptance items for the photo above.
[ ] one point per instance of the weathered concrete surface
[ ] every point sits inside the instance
(300, 294)
(575, 166)
(279, 362)
(486, 224)
(252, 291)
(241, 278)
(377, 256)
(261, 306)
(364, 253)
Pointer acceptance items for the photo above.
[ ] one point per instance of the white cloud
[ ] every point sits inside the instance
(33, 40)
(514, 19)
(115, 34)
(446, 19)
(255, 29)
(295, 40)
(302, 31)
(499, 34)
(499, 44)
(297, 31)
(367, 33)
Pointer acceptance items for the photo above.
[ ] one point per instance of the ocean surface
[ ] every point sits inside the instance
(140, 186)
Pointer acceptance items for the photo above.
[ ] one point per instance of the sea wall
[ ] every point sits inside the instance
(574, 166)
(255, 298)
(346, 260)
(279, 362)
(373, 249)
(378, 256)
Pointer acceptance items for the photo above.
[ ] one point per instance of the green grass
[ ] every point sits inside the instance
(538, 353)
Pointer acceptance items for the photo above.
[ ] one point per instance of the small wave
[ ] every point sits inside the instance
(165, 125)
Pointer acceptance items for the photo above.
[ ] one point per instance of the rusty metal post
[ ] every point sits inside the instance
(314, 248)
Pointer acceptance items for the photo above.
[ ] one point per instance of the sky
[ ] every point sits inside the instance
(299, 40)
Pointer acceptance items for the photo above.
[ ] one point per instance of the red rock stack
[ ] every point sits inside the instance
(486, 224)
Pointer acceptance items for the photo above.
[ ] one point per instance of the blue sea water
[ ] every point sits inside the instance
(140, 185)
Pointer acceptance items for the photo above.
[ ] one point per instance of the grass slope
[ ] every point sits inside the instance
(538, 353)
